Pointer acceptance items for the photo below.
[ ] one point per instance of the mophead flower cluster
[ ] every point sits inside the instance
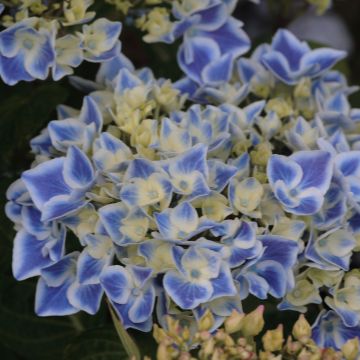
(240, 179)
(42, 37)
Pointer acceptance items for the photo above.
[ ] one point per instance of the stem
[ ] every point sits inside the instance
(128, 343)
(79, 327)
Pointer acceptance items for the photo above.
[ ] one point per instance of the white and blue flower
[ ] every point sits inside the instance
(301, 181)
(26, 53)
(200, 276)
(290, 60)
(58, 186)
(132, 293)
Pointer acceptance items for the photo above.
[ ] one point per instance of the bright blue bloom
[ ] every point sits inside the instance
(80, 130)
(189, 172)
(100, 40)
(336, 113)
(329, 331)
(200, 276)
(289, 59)
(180, 223)
(270, 273)
(26, 53)
(131, 291)
(57, 187)
(145, 184)
(220, 174)
(238, 242)
(59, 293)
(96, 256)
(331, 250)
(212, 40)
(300, 181)
(208, 126)
(37, 245)
(348, 166)
(334, 207)
(111, 156)
(125, 226)
(303, 135)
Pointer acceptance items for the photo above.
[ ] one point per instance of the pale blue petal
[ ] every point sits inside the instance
(276, 63)
(90, 113)
(60, 206)
(283, 168)
(12, 69)
(320, 60)
(220, 174)
(195, 54)
(292, 48)
(85, 297)
(53, 301)
(317, 167)
(117, 283)
(223, 285)
(142, 307)
(111, 217)
(78, 172)
(185, 294)
(28, 258)
(46, 181)
(61, 271)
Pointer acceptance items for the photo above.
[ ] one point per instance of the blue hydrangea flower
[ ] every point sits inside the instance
(331, 251)
(59, 293)
(145, 184)
(238, 242)
(125, 226)
(336, 113)
(329, 331)
(100, 40)
(180, 223)
(132, 293)
(271, 272)
(290, 59)
(189, 172)
(200, 276)
(300, 181)
(78, 130)
(26, 53)
(334, 207)
(212, 39)
(348, 166)
(58, 186)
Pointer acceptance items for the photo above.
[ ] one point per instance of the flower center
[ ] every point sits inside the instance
(195, 274)
(28, 44)
(135, 292)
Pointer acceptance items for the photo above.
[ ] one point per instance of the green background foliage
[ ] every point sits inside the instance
(24, 110)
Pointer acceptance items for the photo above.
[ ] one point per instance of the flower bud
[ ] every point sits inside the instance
(301, 329)
(351, 349)
(234, 322)
(253, 322)
(206, 322)
(273, 339)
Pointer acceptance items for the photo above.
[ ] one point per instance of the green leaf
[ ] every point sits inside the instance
(24, 111)
(96, 344)
(129, 344)
(25, 333)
